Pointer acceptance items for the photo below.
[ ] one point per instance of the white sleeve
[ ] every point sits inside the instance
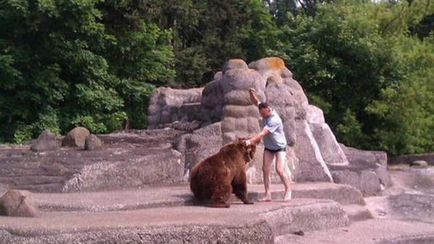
(271, 127)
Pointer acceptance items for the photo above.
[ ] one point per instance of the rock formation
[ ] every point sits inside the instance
(18, 204)
(76, 137)
(47, 141)
(224, 112)
(185, 127)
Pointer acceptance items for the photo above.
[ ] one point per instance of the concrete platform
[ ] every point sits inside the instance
(369, 231)
(257, 223)
(169, 196)
(321, 212)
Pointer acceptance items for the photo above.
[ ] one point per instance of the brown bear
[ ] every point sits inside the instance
(214, 179)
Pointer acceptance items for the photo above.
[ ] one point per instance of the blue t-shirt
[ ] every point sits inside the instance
(276, 139)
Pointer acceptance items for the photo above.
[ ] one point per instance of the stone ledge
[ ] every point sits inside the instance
(257, 223)
(370, 231)
(169, 196)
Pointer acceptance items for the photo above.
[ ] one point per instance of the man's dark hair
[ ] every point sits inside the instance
(263, 105)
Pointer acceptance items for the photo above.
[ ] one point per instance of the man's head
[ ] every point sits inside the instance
(265, 110)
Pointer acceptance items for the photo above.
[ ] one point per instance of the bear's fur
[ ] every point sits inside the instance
(214, 179)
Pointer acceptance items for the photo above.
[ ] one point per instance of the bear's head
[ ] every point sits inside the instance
(247, 150)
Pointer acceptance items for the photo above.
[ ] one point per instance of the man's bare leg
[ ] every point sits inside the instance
(266, 171)
(282, 171)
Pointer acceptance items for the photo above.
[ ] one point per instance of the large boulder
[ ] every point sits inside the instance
(407, 159)
(162, 166)
(367, 170)
(168, 105)
(413, 206)
(47, 141)
(128, 159)
(311, 166)
(3, 189)
(199, 145)
(212, 102)
(92, 142)
(329, 147)
(76, 137)
(17, 203)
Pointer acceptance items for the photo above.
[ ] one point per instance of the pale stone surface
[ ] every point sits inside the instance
(141, 157)
(17, 203)
(377, 231)
(168, 105)
(92, 142)
(234, 64)
(419, 163)
(328, 145)
(76, 137)
(367, 170)
(199, 145)
(314, 115)
(311, 166)
(47, 141)
(164, 168)
(3, 189)
(226, 100)
(123, 218)
(406, 159)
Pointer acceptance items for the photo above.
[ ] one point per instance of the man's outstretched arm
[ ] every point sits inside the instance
(254, 97)
(257, 138)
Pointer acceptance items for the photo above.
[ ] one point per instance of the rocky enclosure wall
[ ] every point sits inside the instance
(223, 112)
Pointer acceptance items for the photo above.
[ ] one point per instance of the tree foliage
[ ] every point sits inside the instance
(368, 65)
(353, 58)
(64, 64)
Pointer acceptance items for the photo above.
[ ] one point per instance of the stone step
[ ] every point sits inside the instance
(357, 212)
(32, 179)
(382, 231)
(343, 194)
(179, 195)
(44, 187)
(257, 223)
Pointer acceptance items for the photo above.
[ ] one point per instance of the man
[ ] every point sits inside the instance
(274, 146)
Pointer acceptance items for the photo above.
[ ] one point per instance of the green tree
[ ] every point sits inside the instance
(349, 57)
(63, 64)
(407, 109)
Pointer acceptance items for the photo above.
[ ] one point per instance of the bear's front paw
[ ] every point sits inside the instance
(219, 205)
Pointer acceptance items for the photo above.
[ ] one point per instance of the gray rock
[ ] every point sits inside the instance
(314, 115)
(3, 189)
(234, 64)
(212, 102)
(419, 163)
(329, 213)
(199, 145)
(47, 141)
(406, 159)
(347, 177)
(368, 163)
(328, 145)
(17, 203)
(370, 183)
(168, 105)
(367, 181)
(92, 142)
(163, 168)
(76, 137)
(311, 165)
(413, 206)
(236, 79)
(270, 64)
